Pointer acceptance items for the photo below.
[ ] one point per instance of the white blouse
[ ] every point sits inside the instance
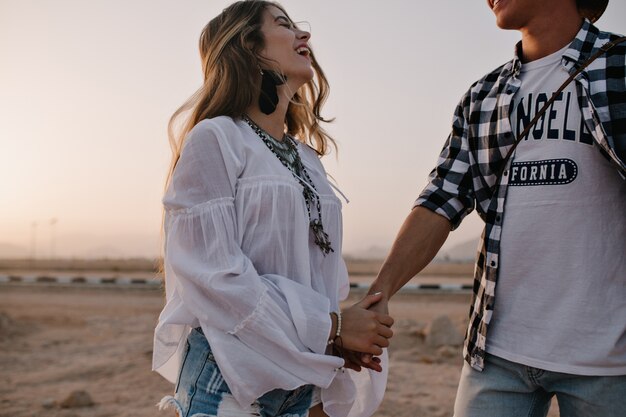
(241, 263)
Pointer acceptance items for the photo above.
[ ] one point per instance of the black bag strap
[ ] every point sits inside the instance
(603, 49)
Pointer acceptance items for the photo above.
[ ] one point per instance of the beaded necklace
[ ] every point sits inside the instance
(287, 153)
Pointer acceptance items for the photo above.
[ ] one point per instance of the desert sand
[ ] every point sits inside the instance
(56, 339)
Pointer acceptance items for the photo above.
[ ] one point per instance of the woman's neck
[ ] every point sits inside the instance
(273, 123)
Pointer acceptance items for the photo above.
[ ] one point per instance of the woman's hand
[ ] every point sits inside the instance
(353, 360)
(364, 330)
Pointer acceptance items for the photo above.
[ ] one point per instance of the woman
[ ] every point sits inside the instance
(253, 266)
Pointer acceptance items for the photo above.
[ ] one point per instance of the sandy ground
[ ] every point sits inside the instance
(54, 340)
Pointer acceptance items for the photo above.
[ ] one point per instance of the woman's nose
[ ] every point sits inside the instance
(304, 34)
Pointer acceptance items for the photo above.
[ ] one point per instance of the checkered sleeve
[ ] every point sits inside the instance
(607, 85)
(449, 189)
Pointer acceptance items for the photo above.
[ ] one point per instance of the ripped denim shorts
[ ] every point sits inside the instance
(201, 390)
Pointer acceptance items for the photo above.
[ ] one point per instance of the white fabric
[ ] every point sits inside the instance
(240, 262)
(562, 305)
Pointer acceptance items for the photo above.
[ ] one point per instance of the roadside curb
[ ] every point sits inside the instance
(135, 282)
(423, 287)
(79, 280)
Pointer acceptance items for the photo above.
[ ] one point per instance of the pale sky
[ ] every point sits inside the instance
(87, 88)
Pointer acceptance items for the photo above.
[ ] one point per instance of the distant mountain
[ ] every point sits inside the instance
(88, 246)
(8, 250)
(105, 251)
(461, 252)
(91, 247)
(371, 253)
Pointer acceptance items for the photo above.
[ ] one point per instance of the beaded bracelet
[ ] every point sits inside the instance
(338, 332)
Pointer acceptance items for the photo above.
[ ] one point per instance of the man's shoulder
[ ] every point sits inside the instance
(600, 37)
(589, 40)
(618, 49)
(485, 84)
(493, 76)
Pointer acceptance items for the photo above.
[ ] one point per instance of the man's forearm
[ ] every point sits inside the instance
(421, 236)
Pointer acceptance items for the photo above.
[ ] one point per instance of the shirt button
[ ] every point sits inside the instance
(493, 263)
(506, 172)
(498, 219)
(509, 91)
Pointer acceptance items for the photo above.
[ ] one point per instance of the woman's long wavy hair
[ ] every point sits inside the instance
(229, 49)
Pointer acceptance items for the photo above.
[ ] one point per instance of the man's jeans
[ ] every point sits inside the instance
(508, 389)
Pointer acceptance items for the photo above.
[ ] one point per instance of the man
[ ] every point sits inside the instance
(548, 315)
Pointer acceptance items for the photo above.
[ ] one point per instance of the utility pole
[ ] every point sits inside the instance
(53, 222)
(33, 240)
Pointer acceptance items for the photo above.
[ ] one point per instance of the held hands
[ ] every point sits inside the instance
(365, 359)
(365, 330)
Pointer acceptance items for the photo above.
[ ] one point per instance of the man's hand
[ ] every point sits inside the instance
(368, 360)
(418, 241)
(365, 330)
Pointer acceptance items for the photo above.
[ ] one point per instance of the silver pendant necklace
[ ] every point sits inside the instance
(287, 153)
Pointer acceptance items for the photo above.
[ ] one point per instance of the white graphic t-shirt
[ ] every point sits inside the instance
(561, 292)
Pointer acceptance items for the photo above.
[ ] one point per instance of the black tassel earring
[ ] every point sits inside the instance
(268, 99)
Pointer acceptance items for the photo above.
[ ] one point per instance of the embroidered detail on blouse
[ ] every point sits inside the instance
(255, 312)
(198, 208)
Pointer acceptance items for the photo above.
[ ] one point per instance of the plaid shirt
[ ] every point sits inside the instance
(466, 173)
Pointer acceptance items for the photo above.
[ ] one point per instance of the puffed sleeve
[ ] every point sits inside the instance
(284, 321)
